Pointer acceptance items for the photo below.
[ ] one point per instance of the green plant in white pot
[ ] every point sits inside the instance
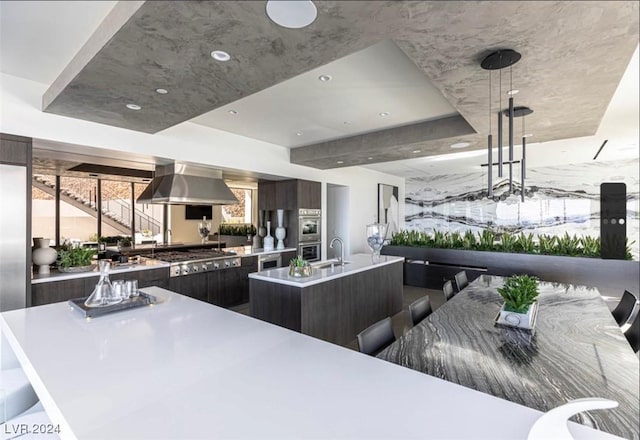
(520, 307)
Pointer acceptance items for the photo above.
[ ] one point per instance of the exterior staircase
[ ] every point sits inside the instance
(115, 212)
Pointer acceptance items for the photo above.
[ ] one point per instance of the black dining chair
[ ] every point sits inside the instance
(376, 337)
(420, 309)
(633, 334)
(461, 280)
(447, 288)
(625, 308)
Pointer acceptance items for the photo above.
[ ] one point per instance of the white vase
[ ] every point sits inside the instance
(525, 321)
(268, 239)
(281, 233)
(43, 255)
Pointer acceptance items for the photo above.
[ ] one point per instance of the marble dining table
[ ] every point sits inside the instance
(576, 350)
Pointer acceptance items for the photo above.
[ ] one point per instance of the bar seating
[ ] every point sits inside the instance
(461, 280)
(448, 291)
(633, 334)
(376, 337)
(625, 308)
(420, 309)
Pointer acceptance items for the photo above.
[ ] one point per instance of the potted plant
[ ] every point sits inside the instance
(299, 267)
(124, 243)
(75, 259)
(520, 307)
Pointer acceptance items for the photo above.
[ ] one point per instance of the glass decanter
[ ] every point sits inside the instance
(102, 294)
(204, 229)
(376, 234)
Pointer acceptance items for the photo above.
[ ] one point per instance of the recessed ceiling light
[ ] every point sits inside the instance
(162, 91)
(299, 133)
(325, 78)
(416, 151)
(340, 162)
(528, 135)
(134, 107)
(384, 114)
(233, 112)
(220, 55)
(460, 145)
(294, 14)
(512, 92)
(369, 158)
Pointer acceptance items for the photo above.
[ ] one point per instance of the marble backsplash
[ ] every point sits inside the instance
(558, 199)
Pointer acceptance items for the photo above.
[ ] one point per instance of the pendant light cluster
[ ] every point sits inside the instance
(500, 60)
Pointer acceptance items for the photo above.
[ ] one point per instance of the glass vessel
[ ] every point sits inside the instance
(376, 233)
(204, 229)
(102, 294)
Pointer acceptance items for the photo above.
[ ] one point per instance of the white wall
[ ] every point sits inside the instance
(20, 114)
(338, 214)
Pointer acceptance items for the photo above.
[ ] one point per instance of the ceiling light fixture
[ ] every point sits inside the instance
(220, 55)
(416, 151)
(384, 114)
(233, 112)
(527, 135)
(513, 92)
(292, 14)
(299, 133)
(499, 60)
(325, 78)
(460, 145)
(162, 91)
(340, 162)
(369, 158)
(133, 107)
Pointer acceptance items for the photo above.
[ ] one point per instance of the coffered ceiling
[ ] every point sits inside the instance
(419, 58)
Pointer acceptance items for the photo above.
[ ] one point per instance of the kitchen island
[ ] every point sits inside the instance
(184, 369)
(335, 303)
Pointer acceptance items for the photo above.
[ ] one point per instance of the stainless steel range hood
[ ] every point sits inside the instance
(180, 184)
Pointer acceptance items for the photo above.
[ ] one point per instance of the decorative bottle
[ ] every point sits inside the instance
(268, 239)
(281, 233)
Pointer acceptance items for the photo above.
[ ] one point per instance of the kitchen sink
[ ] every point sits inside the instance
(327, 264)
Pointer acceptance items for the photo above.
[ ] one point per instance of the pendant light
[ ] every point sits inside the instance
(499, 60)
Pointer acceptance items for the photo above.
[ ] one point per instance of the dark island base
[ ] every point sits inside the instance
(336, 310)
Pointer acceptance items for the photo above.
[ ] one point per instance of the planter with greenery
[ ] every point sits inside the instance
(520, 307)
(75, 259)
(240, 229)
(431, 258)
(299, 267)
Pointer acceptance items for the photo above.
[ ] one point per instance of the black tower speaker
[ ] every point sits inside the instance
(613, 220)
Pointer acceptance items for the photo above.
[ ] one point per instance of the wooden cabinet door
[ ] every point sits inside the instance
(194, 285)
(215, 288)
(309, 195)
(287, 257)
(286, 194)
(267, 196)
(56, 291)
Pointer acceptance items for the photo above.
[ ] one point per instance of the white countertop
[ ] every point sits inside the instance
(184, 369)
(356, 263)
(144, 264)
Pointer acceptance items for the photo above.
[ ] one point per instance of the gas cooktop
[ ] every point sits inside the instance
(198, 260)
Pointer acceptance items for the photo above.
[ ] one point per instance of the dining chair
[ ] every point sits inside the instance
(376, 337)
(447, 288)
(625, 308)
(420, 309)
(633, 334)
(461, 280)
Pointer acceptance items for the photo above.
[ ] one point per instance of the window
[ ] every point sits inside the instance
(116, 208)
(78, 212)
(43, 207)
(149, 219)
(240, 213)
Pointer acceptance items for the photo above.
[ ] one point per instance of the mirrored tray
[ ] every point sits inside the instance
(143, 299)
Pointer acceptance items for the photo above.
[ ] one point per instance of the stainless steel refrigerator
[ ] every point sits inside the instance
(15, 222)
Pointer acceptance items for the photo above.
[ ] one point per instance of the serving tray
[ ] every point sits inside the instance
(143, 299)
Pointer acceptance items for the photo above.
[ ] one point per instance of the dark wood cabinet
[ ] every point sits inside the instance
(56, 291)
(287, 257)
(290, 195)
(194, 285)
(267, 196)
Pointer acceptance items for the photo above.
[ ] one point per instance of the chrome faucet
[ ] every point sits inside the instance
(341, 258)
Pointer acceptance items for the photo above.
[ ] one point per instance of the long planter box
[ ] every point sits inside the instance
(611, 277)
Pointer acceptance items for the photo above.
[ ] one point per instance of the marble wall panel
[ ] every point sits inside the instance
(559, 199)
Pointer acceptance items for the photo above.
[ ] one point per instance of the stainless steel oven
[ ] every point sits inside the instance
(309, 251)
(309, 225)
(269, 261)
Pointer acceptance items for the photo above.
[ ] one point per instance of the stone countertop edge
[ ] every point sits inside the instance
(357, 263)
(62, 276)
